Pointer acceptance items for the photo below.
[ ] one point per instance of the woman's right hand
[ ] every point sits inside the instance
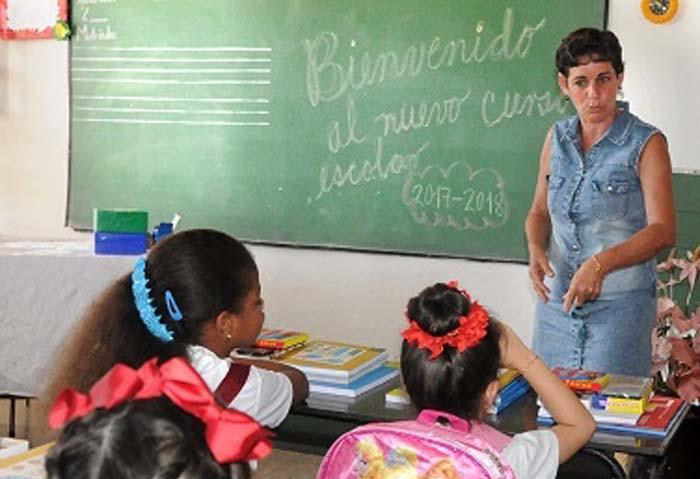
(539, 266)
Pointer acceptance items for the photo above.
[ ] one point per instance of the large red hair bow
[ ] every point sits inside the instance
(471, 329)
(232, 436)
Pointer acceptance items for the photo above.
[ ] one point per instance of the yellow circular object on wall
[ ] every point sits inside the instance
(659, 11)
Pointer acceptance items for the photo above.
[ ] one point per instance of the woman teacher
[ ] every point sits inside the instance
(603, 208)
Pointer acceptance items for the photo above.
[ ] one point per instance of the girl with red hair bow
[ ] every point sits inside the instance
(157, 421)
(450, 357)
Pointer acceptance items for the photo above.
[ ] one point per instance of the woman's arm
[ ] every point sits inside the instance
(660, 232)
(538, 225)
(575, 426)
(300, 384)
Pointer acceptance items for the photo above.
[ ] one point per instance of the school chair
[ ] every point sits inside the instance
(591, 464)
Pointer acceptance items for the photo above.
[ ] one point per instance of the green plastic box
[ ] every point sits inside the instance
(120, 221)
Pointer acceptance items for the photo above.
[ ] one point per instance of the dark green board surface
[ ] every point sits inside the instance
(402, 125)
(686, 190)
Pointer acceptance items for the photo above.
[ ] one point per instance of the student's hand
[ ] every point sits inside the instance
(539, 266)
(514, 353)
(585, 285)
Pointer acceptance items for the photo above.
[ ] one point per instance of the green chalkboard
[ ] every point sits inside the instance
(396, 125)
(686, 190)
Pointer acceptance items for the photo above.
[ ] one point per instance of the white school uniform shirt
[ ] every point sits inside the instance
(266, 395)
(533, 455)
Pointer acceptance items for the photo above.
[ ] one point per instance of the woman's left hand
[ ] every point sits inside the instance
(585, 285)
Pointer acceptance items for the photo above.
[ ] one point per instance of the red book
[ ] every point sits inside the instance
(582, 381)
(659, 413)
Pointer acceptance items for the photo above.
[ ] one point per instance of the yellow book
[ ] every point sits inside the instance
(624, 394)
(332, 361)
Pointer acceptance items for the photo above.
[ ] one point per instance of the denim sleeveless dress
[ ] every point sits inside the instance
(595, 201)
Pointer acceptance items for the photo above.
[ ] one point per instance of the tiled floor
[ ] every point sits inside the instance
(30, 424)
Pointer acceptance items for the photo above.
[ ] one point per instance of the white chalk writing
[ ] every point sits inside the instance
(495, 109)
(334, 175)
(457, 197)
(335, 143)
(327, 79)
(426, 114)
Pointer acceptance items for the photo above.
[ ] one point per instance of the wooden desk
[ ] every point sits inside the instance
(312, 429)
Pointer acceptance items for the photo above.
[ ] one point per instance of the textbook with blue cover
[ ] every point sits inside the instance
(516, 389)
(362, 384)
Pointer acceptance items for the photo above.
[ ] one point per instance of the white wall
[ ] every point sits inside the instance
(33, 137)
(662, 63)
(353, 296)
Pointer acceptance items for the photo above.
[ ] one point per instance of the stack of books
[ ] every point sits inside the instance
(273, 343)
(623, 404)
(340, 369)
(662, 414)
(511, 387)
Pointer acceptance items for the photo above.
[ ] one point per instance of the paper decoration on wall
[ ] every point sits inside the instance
(31, 19)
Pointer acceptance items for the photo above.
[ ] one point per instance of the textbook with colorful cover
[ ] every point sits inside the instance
(582, 381)
(628, 394)
(362, 384)
(335, 362)
(280, 338)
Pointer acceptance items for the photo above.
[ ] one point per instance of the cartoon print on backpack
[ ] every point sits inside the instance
(399, 462)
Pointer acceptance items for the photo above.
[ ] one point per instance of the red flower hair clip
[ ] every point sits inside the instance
(471, 330)
(232, 436)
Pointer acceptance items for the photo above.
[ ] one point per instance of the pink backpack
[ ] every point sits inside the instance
(420, 449)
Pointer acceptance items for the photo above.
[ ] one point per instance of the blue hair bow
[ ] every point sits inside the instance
(139, 287)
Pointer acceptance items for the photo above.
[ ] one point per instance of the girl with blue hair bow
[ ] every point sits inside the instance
(196, 295)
